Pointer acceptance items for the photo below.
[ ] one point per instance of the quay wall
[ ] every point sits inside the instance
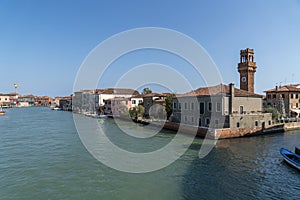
(223, 133)
(291, 126)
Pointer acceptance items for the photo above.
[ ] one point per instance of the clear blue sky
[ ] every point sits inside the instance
(43, 43)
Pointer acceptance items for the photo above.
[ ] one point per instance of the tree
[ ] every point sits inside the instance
(169, 105)
(274, 112)
(137, 112)
(147, 91)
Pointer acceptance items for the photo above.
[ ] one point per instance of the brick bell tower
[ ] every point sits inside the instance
(247, 68)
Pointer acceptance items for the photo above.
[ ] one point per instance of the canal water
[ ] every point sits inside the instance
(42, 157)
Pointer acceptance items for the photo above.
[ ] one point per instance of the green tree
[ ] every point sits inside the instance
(169, 105)
(147, 91)
(137, 112)
(273, 111)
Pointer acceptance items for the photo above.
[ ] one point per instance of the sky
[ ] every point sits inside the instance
(44, 43)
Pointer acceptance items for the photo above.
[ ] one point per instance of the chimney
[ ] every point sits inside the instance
(231, 97)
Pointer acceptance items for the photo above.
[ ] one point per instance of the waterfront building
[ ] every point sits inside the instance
(5, 100)
(93, 101)
(117, 106)
(65, 103)
(42, 101)
(9, 100)
(136, 100)
(26, 100)
(111, 93)
(85, 102)
(152, 99)
(220, 106)
(286, 99)
(224, 106)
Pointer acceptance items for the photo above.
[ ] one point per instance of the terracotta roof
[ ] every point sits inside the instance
(27, 96)
(286, 88)
(120, 99)
(138, 96)
(218, 90)
(117, 91)
(155, 95)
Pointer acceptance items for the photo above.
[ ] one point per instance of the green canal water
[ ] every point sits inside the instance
(42, 157)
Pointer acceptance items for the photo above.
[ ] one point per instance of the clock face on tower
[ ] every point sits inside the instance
(244, 79)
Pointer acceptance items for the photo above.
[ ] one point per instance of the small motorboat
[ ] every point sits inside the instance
(291, 158)
(2, 112)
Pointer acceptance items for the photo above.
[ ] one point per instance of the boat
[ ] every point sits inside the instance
(57, 108)
(291, 158)
(2, 112)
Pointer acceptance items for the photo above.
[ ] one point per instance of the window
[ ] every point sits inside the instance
(282, 96)
(218, 107)
(270, 123)
(200, 124)
(241, 109)
(192, 119)
(174, 105)
(256, 123)
(296, 105)
(179, 106)
(274, 96)
(209, 106)
(207, 121)
(292, 105)
(185, 118)
(297, 96)
(185, 106)
(192, 106)
(238, 124)
(133, 101)
(269, 96)
(216, 122)
(201, 108)
(292, 96)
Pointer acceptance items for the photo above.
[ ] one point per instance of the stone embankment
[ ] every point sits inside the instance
(230, 132)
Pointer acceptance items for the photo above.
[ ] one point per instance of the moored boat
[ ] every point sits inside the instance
(2, 112)
(291, 158)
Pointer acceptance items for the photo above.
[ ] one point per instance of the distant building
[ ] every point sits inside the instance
(149, 100)
(117, 106)
(42, 101)
(136, 100)
(9, 100)
(26, 100)
(111, 93)
(85, 102)
(286, 99)
(5, 100)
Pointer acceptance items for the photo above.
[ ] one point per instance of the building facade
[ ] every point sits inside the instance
(85, 102)
(286, 99)
(224, 106)
(220, 106)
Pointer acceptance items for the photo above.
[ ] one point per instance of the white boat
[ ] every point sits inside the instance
(2, 112)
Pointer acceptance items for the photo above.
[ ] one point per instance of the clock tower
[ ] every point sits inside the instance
(247, 68)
